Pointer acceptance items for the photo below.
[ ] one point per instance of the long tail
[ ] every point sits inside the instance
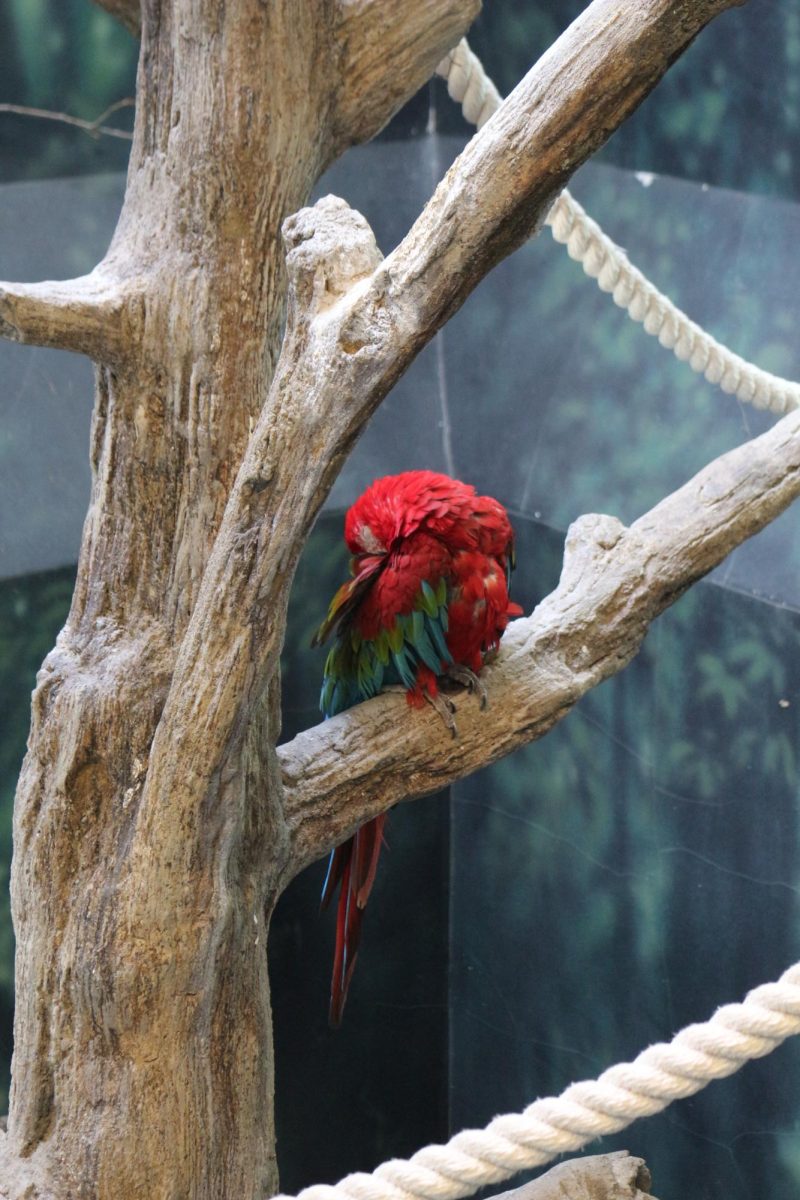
(352, 867)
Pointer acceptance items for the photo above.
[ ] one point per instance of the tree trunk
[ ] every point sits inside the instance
(151, 833)
(143, 1063)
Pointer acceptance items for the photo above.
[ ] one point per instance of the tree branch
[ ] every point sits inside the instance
(86, 315)
(614, 582)
(499, 190)
(94, 128)
(129, 12)
(615, 1176)
(389, 50)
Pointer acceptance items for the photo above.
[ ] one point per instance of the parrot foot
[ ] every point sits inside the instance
(444, 707)
(469, 680)
(446, 710)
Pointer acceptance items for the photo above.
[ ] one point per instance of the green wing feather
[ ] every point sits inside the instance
(348, 598)
(357, 668)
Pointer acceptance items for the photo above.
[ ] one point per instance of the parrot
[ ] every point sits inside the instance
(427, 601)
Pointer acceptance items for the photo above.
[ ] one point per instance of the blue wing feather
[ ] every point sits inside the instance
(357, 668)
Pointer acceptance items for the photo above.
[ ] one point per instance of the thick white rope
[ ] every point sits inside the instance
(469, 85)
(585, 1111)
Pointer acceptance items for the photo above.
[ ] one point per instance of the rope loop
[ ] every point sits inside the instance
(469, 85)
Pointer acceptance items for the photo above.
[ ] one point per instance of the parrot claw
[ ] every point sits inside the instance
(469, 680)
(444, 707)
(446, 710)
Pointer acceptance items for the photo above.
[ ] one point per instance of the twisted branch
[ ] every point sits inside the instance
(94, 128)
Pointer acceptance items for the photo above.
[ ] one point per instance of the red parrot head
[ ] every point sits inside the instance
(395, 506)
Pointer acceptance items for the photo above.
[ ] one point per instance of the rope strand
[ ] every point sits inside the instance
(469, 85)
(516, 1142)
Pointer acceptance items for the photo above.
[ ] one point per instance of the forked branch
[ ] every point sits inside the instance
(389, 51)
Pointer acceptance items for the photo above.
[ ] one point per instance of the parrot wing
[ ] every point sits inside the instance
(412, 648)
(348, 597)
(372, 649)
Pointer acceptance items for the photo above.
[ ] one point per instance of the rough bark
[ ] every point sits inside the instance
(616, 1176)
(150, 830)
(85, 315)
(143, 1045)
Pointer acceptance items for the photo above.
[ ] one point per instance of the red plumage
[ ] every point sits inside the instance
(429, 592)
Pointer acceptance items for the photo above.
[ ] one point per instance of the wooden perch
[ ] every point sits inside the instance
(614, 582)
(616, 1176)
(354, 325)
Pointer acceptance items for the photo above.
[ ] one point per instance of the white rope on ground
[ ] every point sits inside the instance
(470, 86)
(585, 1111)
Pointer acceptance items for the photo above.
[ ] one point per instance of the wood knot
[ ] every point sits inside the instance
(330, 247)
(589, 540)
(256, 484)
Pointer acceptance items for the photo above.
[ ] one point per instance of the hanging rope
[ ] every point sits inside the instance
(585, 1111)
(469, 85)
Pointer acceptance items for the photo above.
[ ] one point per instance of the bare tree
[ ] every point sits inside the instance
(156, 823)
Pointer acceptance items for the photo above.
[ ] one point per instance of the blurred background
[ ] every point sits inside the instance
(604, 887)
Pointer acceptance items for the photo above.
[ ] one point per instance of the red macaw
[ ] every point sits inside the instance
(428, 599)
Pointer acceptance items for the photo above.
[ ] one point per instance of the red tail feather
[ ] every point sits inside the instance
(353, 866)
